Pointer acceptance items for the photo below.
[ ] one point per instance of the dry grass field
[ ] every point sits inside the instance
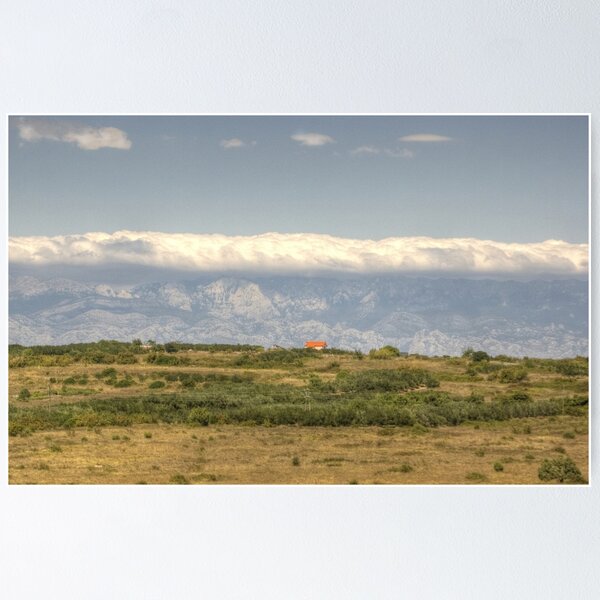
(194, 425)
(498, 453)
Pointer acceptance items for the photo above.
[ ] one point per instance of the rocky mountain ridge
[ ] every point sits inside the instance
(440, 316)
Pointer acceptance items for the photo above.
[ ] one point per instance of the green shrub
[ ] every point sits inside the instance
(569, 435)
(125, 358)
(520, 397)
(498, 466)
(419, 429)
(385, 380)
(155, 385)
(123, 383)
(473, 476)
(24, 394)
(385, 352)
(179, 479)
(199, 416)
(514, 375)
(273, 358)
(570, 367)
(15, 429)
(296, 461)
(147, 435)
(160, 358)
(562, 469)
(108, 372)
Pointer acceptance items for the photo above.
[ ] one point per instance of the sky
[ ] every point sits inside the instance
(510, 179)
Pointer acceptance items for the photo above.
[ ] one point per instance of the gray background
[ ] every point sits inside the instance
(297, 542)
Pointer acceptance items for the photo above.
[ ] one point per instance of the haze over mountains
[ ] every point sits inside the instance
(428, 315)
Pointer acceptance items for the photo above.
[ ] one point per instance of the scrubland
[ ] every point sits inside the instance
(121, 413)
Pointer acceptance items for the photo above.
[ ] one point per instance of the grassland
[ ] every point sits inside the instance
(125, 413)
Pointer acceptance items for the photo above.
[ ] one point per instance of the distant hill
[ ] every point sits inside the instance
(440, 316)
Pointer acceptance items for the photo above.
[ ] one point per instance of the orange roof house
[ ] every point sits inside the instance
(315, 345)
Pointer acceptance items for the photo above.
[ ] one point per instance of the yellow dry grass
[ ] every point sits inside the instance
(235, 454)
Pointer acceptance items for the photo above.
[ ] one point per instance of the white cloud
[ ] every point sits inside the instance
(373, 151)
(312, 139)
(400, 153)
(84, 137)
(232, 143)
(365, 150)
(301, 254)
(424, 137)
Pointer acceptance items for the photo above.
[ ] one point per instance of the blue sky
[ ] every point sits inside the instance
(511, 179)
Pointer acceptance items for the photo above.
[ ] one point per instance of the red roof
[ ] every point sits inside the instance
(315, 344)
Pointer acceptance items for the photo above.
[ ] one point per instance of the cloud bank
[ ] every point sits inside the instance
(301, 254)
(84, 137)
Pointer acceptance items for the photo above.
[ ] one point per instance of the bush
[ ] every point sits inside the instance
(385, 380)
(179, 479)
(475, 477)
(199, 416)
(24, 394)
(571, 368)
(296, 461)
(562, 469)
(160, 358)
(498, 466)
(155, 385)
(516, 375)
(274, 358)
(123, 383)
(126, 358)
(108, 372)
(385, 352)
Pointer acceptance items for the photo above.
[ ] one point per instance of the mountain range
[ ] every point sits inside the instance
(435, 316)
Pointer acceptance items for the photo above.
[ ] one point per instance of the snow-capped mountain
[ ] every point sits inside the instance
(416, 314)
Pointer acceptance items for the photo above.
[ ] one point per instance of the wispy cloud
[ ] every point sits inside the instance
(312, 139)
(424, 137)
(301, 254)
(365, 150)
(374, 150)
(232, 143)
(83, 136)
(399, 153)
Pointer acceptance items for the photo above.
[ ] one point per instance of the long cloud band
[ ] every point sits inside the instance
(301, 253)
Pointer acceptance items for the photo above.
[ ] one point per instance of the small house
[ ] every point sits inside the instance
(315, 344)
